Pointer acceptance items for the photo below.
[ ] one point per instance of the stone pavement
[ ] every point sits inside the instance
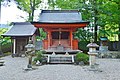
(108, 69)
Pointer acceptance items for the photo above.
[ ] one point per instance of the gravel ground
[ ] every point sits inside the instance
(108, 69)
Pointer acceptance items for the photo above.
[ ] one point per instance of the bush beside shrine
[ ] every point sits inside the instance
(82, 46)
(39, 57)
(82, 58)
(6, 47)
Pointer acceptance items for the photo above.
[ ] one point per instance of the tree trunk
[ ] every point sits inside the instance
(32, 9)
(95, 30)
(95, 20)
(29, 18)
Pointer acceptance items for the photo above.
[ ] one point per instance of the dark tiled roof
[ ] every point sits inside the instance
(60, 16)
(21, 29)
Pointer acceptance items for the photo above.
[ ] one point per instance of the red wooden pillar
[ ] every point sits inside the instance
(49, 36)
(71, 39)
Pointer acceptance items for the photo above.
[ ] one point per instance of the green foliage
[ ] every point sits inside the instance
(82, 45)
(6, 47)
(102, 14)
(83, 35)
(7, 53)
(28, 6)
(38, 56)
(82, 57)
(109, 19)
(3, 30)
(5, 43)
(42, 35)
(5, 40)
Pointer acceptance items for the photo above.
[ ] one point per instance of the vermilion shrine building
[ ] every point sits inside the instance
(60, 25)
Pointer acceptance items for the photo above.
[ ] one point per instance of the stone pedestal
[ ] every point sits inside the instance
(92, 58)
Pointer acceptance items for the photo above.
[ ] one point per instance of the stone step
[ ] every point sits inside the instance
(60, 59)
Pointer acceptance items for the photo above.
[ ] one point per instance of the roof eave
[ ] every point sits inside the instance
(87, 22)
(16, 35)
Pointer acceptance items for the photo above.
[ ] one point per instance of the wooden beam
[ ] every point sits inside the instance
(46, 25)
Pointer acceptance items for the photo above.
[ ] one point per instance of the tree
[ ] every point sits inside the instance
(111, 11)
(28, 6)
(83, 35)
(103, 14)
(88, 8)
(52, 3)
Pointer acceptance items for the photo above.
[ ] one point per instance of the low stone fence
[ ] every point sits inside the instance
(109, 54)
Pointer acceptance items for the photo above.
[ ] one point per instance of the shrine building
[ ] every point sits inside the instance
(20, 33)
(60, 26)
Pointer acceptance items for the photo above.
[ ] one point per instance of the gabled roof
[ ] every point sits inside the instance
(60, 16)
(21, 29)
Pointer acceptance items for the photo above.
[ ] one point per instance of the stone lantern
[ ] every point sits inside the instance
(30, 51)
(92, 52)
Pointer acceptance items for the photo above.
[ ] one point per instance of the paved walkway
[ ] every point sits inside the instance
(109, 69)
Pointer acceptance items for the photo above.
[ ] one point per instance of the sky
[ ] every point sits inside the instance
(13, 14)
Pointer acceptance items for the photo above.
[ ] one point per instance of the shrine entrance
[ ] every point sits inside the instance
(60, 35)
(60, 38)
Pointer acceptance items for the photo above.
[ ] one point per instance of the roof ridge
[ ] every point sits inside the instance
(59, 11)
(21, 23)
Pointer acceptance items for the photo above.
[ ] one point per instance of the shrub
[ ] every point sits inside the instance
(38, 56)
(6, 47)
(82, 57)
(82, 45)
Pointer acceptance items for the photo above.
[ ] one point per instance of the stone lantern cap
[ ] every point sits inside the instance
(92, 45)
(30, 45)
